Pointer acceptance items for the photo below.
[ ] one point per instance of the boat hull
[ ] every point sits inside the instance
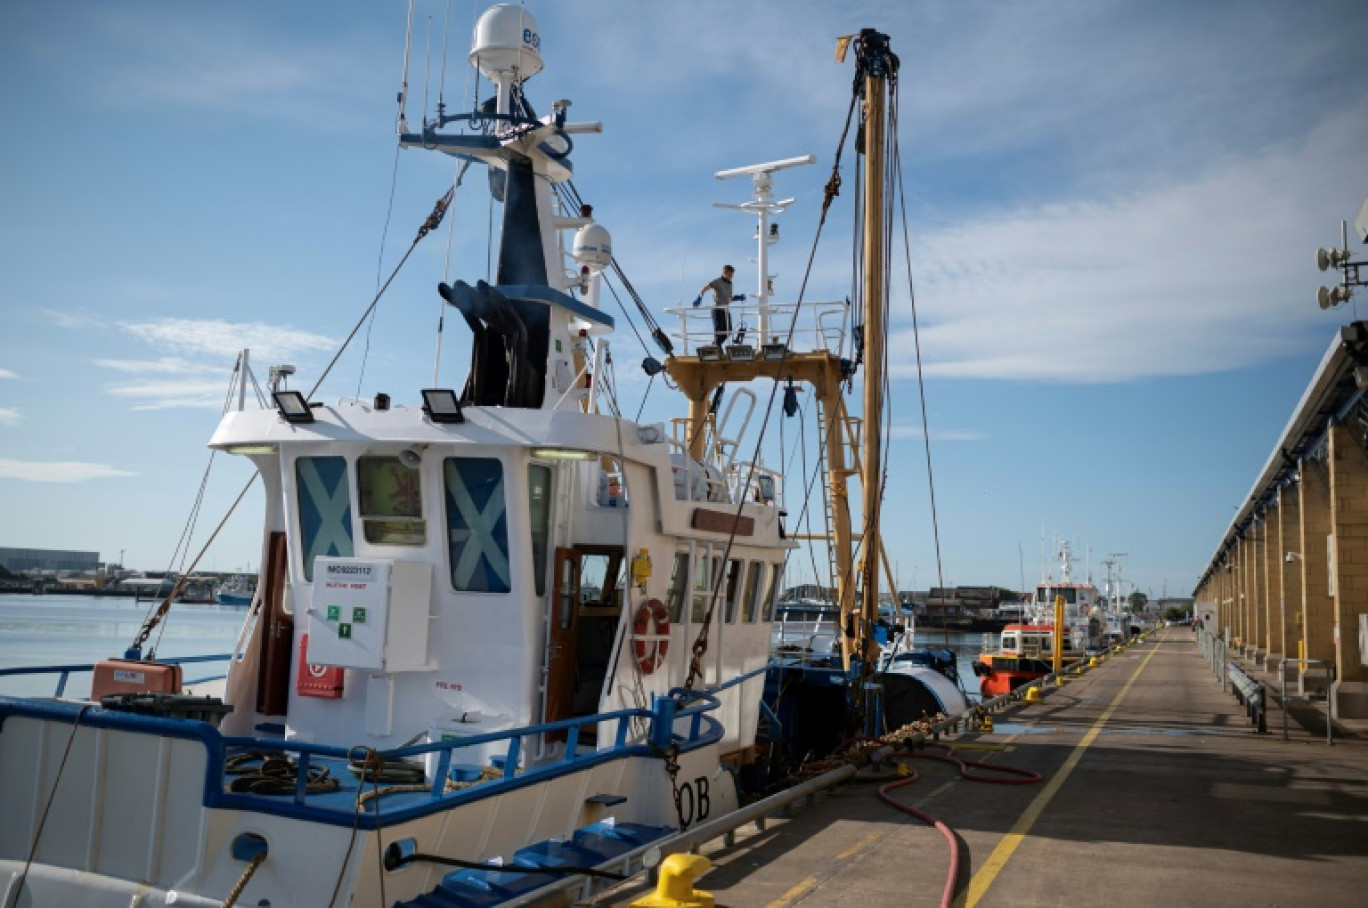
(1002, 673)
(146, 805)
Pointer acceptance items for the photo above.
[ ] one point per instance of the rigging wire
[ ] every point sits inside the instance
(921, 381)
(433, 221)
(379, 265)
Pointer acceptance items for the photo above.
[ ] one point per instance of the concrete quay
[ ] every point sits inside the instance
(1157, 790)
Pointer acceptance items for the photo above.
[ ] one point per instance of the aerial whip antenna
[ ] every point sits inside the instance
(403, 83)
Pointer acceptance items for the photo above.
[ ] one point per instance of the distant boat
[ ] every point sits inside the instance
(237, 591)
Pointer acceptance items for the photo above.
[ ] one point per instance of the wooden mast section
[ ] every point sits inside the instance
(878, 64)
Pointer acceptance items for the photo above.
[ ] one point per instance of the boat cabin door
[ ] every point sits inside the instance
(586, 607)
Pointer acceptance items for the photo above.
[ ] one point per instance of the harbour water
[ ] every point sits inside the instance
(68, 630)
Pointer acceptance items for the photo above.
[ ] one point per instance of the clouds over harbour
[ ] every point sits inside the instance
(58, 471)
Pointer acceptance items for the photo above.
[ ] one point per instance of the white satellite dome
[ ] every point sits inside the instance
(593, 247)
(506, 44)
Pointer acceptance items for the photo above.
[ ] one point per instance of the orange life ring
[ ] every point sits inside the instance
(651, 635)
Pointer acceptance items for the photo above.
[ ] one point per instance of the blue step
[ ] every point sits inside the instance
(591, 845)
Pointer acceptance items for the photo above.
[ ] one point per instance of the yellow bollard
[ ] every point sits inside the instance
(1092, 663)
(675, 887)
(986, 726)
(1033, 694)
(1059, 680)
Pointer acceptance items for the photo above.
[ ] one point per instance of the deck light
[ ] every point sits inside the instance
(774, 352)
(293, 407)
(442, 406)
(710, 353)
(562, 454)
(741, 353)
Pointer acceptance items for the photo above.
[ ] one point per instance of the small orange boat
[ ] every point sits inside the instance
(1025, 652)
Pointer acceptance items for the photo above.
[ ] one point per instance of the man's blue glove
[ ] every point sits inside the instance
(738, 297)
(697, 300)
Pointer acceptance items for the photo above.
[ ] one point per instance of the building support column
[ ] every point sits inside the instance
(1318, 609)
(1349, 566)
(1258, 569)
(1244, 575)
(1287, 618)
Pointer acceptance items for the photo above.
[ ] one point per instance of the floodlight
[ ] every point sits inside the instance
(741, 353)
(774, 352)
(710, 353)
(442, 405)
(293, 407)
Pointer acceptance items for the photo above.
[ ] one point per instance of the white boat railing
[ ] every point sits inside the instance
(815, 326)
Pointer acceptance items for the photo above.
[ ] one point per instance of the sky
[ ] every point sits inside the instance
(1112, 211)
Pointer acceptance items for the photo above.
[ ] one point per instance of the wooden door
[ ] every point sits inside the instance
(561, 657)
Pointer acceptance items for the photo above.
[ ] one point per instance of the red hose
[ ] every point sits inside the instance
(1023, 777)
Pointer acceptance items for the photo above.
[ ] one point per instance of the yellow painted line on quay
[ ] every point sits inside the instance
(859, 846)
(795, 893)
(810, 883)
(981, 881)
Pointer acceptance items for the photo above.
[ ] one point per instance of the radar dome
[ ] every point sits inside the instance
(593, 247)
(507, 44)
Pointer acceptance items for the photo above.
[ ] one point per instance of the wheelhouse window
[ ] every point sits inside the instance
(539, 514)
(323, 498)
(476, 524)
(702, 585)
(735, 569)
(679, 577)
(751, 609)
(772, 594)
(390, 494)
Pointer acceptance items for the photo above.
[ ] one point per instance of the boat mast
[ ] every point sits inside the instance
(878, 63)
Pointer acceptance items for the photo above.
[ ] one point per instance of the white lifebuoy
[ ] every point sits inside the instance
(650, 635)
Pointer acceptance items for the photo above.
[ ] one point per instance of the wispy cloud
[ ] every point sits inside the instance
(9, 416)
(1183, 277)
(167, 365)
(222, 339)
(6, 373)
(39, 471)
(171, 395)
(915, 432)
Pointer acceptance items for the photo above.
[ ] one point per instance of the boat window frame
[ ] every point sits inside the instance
(750, 609)
(305, 560)
(540, 567)
(383, 523)
(505, 468)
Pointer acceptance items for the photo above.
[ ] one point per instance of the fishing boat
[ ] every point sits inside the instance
(238, 590)
(506, 641)
(1025, 651)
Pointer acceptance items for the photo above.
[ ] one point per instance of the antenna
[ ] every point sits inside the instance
(441, 82)
(403, 84)
(763, 205)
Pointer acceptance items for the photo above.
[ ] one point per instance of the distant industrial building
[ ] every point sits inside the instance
(21, 561)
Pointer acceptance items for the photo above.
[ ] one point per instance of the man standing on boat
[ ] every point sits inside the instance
(723, 297)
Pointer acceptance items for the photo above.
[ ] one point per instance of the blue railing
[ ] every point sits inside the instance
(339, 808)
(64, 672)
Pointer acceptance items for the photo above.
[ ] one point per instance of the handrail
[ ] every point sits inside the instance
(702, 730)
(65, 671)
